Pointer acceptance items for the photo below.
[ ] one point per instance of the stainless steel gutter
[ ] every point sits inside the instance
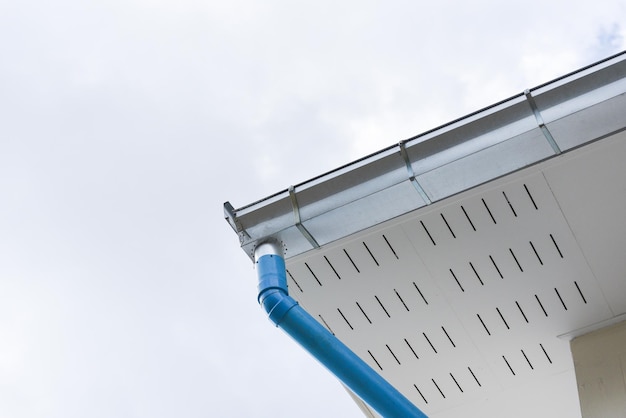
(533, 126)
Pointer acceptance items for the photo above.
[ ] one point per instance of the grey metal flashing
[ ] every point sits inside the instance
(442, 162)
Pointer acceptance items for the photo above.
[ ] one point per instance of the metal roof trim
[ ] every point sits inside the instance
(487, 144)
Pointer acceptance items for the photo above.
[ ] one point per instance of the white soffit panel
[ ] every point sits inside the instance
(591, 190)
(462, 302)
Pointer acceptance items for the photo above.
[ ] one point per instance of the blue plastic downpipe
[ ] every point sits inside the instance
(285, 312)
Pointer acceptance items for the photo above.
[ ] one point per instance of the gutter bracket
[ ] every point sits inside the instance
(233, 221)
(298, 220)
(541, 123)
(409, 169)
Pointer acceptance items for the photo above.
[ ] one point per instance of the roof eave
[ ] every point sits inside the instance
(523, 130)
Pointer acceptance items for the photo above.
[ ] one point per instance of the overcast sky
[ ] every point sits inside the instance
(125, 125)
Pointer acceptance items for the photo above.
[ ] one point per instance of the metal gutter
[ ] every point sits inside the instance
(285, 312)
(538, 124)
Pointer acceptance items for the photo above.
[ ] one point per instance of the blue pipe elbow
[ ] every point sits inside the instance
(357, 375)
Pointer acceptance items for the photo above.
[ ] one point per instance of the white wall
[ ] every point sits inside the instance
(600, 362)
